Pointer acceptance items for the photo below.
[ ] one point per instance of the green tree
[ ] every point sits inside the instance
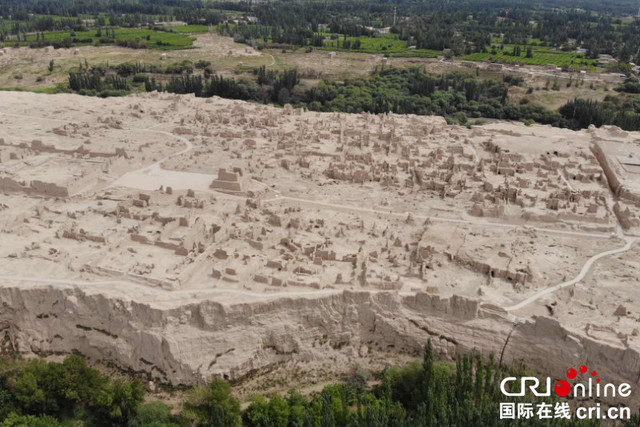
(16, 420)
(116, 403)
(298, 409)
(278, 411)
(213, 406)
(154, 414)
(257, 414)
(29, 394)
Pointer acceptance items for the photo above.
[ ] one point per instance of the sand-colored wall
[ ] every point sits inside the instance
(178, 344)
(606, 166)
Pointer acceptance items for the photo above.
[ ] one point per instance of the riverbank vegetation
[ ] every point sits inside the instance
(423, 393)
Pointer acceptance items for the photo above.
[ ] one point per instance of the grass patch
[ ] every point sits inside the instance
(59, 88)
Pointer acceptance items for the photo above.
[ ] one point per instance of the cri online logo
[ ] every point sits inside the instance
(562, 388)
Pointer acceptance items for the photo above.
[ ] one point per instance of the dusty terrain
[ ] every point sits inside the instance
(188, 238)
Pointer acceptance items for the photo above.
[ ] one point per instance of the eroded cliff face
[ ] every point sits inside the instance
(193, 342)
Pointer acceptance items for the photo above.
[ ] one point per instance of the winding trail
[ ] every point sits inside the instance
(188, 147)
(154, 176)
(154, 169)
(156, 165)
(583, 272)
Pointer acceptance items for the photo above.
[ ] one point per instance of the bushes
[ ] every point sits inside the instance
(424, 393)
(630, 85)
(584, 112)
(455, 96)
(17, 420)
(513, 80)
(131, 44)
(117, 83)
(140, 78)
(116, 403)
(212, 406)
(87, 81)
(92, 84)
(154, 414)
(622, 112)
(214, 86)
(185, 84)
(185, 66)
(37, 391)
(278, 86)
(130, 68)
(202, 64)
(230, 88)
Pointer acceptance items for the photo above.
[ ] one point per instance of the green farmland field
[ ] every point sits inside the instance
(369, 44)
(418, 53)
(188, 28)
(389, 44)
(541, 56)
(533, 42)
(156, 39)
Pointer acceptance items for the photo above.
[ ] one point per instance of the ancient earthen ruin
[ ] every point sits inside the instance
(189, 239)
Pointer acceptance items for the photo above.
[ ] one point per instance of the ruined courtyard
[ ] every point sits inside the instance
(264, 235)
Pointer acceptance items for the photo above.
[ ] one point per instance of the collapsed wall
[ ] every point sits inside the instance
(197, 341)
(607, 167)
(34, 187)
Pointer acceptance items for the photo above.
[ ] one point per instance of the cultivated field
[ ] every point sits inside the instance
(143, 37)
(388, 44)
(541, 56)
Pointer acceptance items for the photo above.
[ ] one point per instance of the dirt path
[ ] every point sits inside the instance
(583, 272)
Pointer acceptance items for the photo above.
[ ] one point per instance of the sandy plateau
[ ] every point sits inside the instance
(189, 239)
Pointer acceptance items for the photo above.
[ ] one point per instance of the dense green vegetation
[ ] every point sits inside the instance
(136, 38)
(27, 16)
(405, 91)
(630, 85)
(570, 35)
(424, 393)
(460, 97)
(38, 393)
(412, 91)
(619, 111)
(542, 34)
(533, 55)
(456, 96)
(388, 44)
(480, 30)
(124, 78)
